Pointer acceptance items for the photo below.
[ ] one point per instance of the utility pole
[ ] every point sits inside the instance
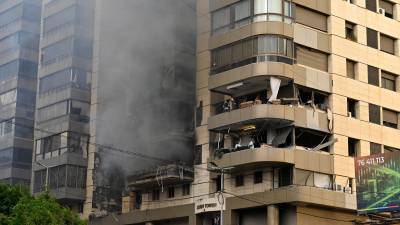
(215, 168)
(222, 196)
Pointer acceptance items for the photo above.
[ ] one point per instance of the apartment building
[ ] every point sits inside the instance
(19, 42)
(63, 100)
(288, 93)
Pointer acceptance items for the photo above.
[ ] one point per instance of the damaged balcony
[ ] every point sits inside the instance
(282, 104)
(264, 127)
(163, 175)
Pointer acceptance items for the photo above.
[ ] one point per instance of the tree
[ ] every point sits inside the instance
(28, 210)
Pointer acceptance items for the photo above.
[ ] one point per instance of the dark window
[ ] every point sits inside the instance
(374, 114)
(373, 75)
(375, 148)
(352, 108)
(372, 38)
(239, 180)
(390, 149)
(371, 5)
(388, 80)
(186, 189)
(387, 7)
(156, 195)
(387, 44)
(285, 176)
(258, 177)
(199, 114)
(171, 192)
(350, 31)
(197, 154)
(351, 69)
(261, 48)
(353, 145)
(390, 118)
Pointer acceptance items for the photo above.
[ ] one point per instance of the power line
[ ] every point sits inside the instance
(101, 146)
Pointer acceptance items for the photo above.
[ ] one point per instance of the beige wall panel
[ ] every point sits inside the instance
(339, 104)
(202, 135)
(364, 148)
(362, 72)
(365, 92)
(204, 24)
(202, 42)
(344, 166)
(202, 79)
(365, 54)
(203, 60)
(204, 95)
(336, 26)
(338, 65)
(311, 38)
(340, 147)
(305, 217)
(364, 111)
(366, 18)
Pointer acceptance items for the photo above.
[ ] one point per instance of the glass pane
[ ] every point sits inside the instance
(260, 6)
(274, 18)
(221, 18)
(275, 6)
(242, 10)
(287, 9)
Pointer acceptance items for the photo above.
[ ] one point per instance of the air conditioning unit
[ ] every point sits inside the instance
(338, 187)
(381, 11)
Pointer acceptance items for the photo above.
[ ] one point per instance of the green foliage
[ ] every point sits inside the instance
(27, 210)
(9, 197)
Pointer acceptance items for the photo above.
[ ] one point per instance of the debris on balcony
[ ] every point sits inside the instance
(253, 136)
(160, 176)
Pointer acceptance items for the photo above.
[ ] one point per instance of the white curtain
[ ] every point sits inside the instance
(275, 85)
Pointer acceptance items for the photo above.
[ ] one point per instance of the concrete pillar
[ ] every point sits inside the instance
(194, 220)
(272, 215)
(397, 47)
(397, 84)
(231, 217)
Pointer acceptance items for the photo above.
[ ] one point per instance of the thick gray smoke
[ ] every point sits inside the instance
(146, 81)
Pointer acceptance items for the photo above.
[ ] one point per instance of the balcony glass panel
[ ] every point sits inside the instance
(240, 13)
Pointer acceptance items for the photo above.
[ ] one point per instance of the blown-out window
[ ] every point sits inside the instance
(256, 49)
(243, 12)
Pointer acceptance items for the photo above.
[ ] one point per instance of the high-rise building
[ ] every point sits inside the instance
(63, 100)
(288, 93)
(114, 82)
(19, 42)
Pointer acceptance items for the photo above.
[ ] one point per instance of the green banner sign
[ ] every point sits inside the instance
(378, 183)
